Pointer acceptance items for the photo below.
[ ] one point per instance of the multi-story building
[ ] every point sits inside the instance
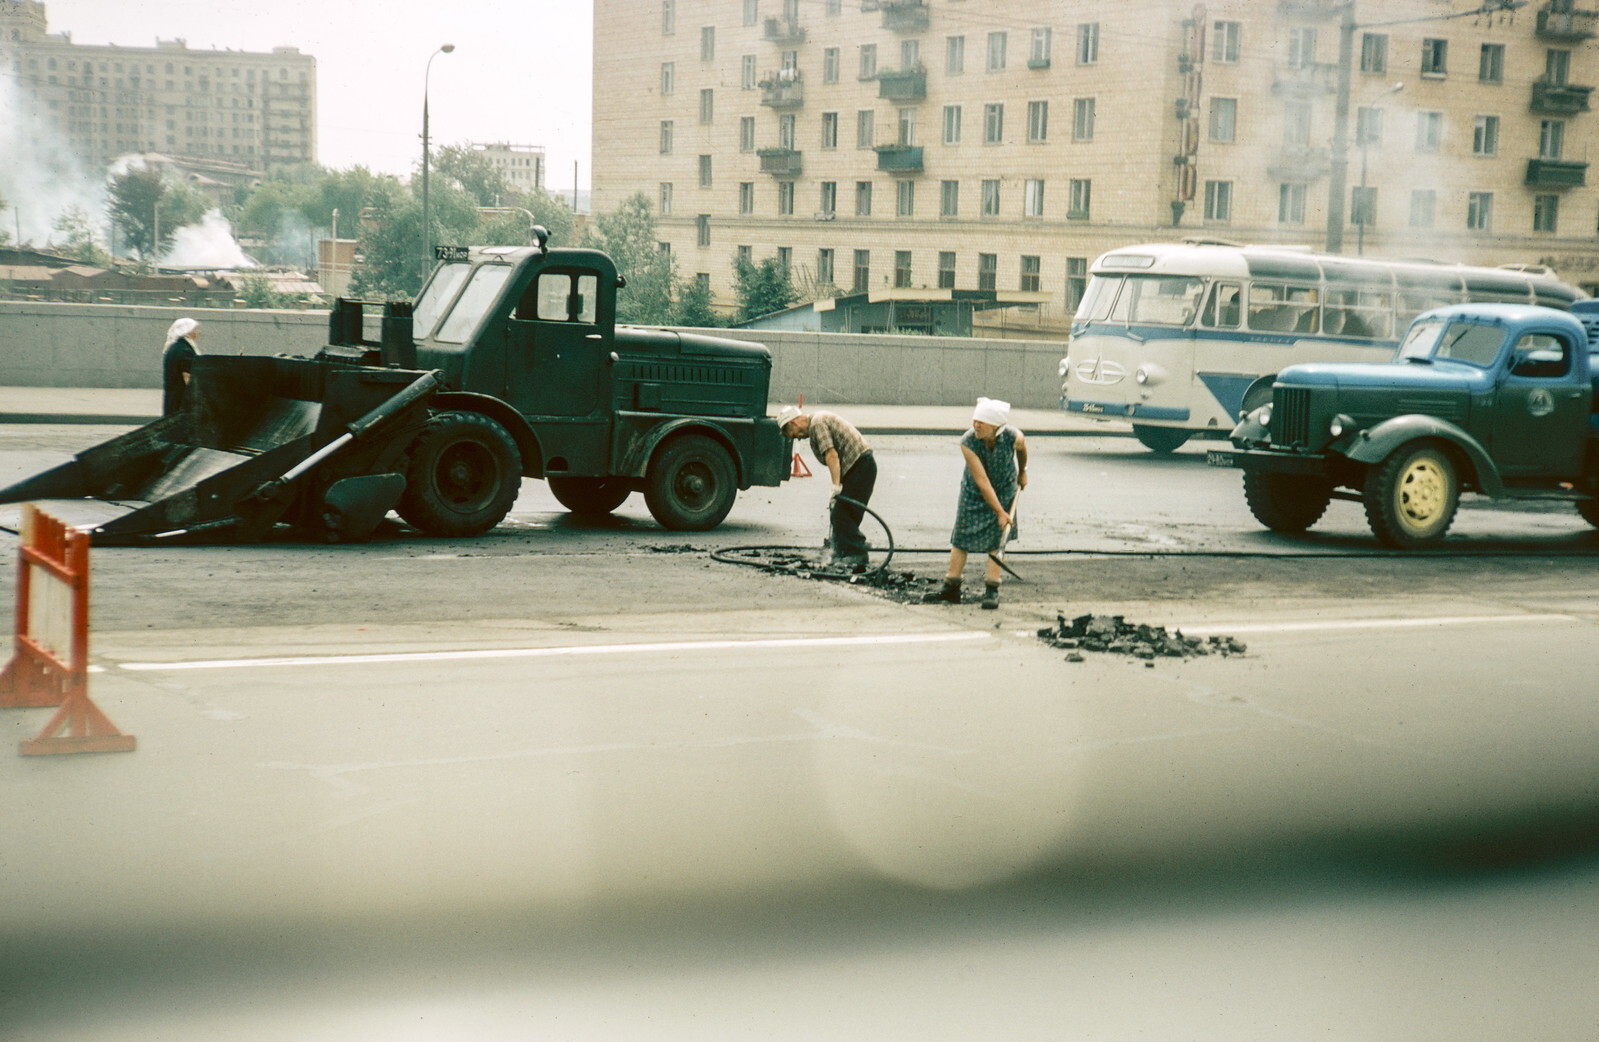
(522, 165)
(253, 109)
(1005, 143)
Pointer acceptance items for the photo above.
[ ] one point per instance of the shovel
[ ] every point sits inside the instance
(998, 556)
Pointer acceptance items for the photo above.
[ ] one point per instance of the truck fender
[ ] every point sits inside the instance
(636, 455)
(527, 443)
(1376, 444)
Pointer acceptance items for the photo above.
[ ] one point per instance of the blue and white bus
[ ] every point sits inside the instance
(1180, 338)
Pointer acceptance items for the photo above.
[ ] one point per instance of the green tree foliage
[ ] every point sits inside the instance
(472, 172)
(762, 288)
(148, 209)
(693, 306)
(628, 235)
(82, 241)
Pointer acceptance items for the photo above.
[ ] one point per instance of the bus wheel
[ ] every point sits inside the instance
(1411, 497)
(691, 485)
(1286, 502)
(1161, 439)
(589, 495)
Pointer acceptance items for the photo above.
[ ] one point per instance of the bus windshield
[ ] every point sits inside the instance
(1158, 300)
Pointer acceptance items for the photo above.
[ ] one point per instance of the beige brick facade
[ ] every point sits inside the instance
(1131, 108)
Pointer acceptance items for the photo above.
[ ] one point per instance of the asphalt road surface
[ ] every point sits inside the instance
(586, 781)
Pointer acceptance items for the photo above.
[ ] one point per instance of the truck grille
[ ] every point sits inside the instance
(1290, 416)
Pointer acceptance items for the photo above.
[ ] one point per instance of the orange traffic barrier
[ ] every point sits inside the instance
(800, 469)
(50, 666)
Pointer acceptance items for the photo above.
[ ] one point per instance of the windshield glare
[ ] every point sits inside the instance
(474, 303)
(430, 305)
(1467, 342)
(1162, 300)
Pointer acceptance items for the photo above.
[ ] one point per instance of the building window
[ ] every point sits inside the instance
(1480, 211)
(785, 259)
(902, 269)
(949, 198)
(991, 197)
(708, 43)
(1033, 198)
(1363, 206)
(1037, 121)
(666, 198)
(868, 60)
(1545, 212)
(1076, 282)
(1301, 47)
(746, 255)
(752, 13)
(748, 76)
(865, 128)
(993, 123)
(785, 130)
(954, 55)
(702, 229)
(1219, 201)
(1368, 126)
(862, 279)
(830, 65)
(746, 197)
(1223, 119)
(707, 105)
(907, 126)
(668, 77)
(824, 269)
(910, 54)
(1374, 52)
(1485, 136)
(1031, 275)
(1080, 199)
(1291, 204)
(988, 271)
(829, 130)
(946, 269)
(1491, 63)
(996, 51)
(1038, 58)
(829, 200)
(1423, 207)
(746, 133)
(1225, 40)
(785, 198)
(1429, 131)
(666, 136)
(952, 124)
(705, 171)
(863, 198)
(1083, 119)
(668, 19)
(1557, 68)
(1088, 43)
(1434, 57)
(905, 198)
(1551, 138)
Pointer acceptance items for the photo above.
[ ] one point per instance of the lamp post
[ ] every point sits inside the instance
(1364, 134)
(427, 215)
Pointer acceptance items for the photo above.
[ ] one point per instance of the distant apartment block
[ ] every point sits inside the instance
(522, 165)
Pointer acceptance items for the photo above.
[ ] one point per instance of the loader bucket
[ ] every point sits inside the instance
(259, 441)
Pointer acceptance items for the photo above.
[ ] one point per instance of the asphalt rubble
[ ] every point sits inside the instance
(1113, 634)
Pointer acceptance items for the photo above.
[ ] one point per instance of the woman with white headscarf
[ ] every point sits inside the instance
(996, 469)
(176, 361)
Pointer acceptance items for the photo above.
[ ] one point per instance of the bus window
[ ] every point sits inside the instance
(1283, 308)
(1097, 299)
(1358, 313)
(1224, 309)
(1160, 300)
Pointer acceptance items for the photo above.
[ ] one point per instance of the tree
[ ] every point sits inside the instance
(693, 306)
(148, 209)
(762, 288)
(83, 243)
(472, 170)
(628, 235)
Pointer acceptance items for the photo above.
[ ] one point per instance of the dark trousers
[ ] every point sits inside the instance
(857, 485)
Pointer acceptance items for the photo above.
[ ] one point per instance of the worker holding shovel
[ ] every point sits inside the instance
(996, 471)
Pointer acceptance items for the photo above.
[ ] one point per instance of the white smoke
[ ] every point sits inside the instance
(40, 177)
(209, 244)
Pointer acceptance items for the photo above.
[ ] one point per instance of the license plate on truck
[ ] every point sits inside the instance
(1219, 457)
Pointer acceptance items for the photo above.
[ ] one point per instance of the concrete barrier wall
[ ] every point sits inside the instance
(108, 345)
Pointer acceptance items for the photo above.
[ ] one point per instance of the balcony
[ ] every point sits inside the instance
(780, 93)
(899, 159)
(780, 162)
(903, 85)
(1309, 9)
(784, 30)
(1306, 81)
(1556, 173)
(1300, 165)
(1559, 99)
(905, 16)
(1557, 20)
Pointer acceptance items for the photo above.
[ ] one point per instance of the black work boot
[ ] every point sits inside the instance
(991, 595)
(950, 594)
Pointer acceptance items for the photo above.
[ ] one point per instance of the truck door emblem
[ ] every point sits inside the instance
(1540, 402)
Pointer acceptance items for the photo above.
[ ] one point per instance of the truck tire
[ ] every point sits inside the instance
(1411, 496)
(1589, 509)
(1161, 439)
(465, 473)
(1286, 502)
(691, 484)
(589, 495)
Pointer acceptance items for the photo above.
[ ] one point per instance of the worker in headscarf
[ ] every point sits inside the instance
(176, 361)
(840, 448)
(995, 454)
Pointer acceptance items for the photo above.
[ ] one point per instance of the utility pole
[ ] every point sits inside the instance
(1338, 172)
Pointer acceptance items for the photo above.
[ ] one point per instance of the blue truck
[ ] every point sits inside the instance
(1500, 400)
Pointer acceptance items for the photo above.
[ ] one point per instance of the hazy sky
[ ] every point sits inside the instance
(521, 70)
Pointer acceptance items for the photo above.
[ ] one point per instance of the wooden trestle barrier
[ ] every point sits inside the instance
(50, 666)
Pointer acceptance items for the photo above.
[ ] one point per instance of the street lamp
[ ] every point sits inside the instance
(1364, 134)
(427, 216)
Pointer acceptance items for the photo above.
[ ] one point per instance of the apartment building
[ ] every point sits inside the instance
(1003, 144)
(253, 109)
(521, 165)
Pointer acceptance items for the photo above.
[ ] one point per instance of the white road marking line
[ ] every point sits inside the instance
(1372, 624)
(569, 651)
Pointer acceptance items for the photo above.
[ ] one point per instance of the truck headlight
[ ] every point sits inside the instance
(1265, 415)
(1339, 425)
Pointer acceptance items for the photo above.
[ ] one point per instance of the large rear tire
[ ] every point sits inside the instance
(1161, 439)
(1411, 496)
(464, 475)
(1286, 502)
(691, 485)
(589, 495)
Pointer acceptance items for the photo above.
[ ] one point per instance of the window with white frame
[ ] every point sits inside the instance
(1038, 56)
(708, 43)
(1083, 119)
(1545, 213)
(1037, 121)
(1491, 63)
(865, 128)
(988, 271)
(954, 55)
(746, 197)
(748, 77)
(705, 171)
(828, 204)
(707, 105)
(746, 133)
(1223, 119)
(830, 65)
(990, 201)
(1225, 40)
(952, 124)
(829, 130)
(905, 198)
(1219, 201)
(993, 123)
(1031, 278)
(1087, 43)
(1551, 138)
(1290, 203)
(665, 198)
(668, 77)
(1033, 197)
(949, 198)
(1480, 211)
(868, 61)
(785, 198)
(1079, 199)
(907, 126)
(863, 198)
(1434, 57)
(902, 269)
(996, 51)
(702, 227)
(1374, 52)
(1485, 136)
(666, 136)
(1301, 47)
(946, 269)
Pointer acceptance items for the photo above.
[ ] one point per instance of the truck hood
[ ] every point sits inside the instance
(1390, 376)
(670, 342)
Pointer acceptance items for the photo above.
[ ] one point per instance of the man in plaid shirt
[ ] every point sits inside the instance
(839, 447)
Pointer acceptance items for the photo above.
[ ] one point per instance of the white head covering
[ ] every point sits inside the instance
(180, 329)
(992, 410)
(785, 414)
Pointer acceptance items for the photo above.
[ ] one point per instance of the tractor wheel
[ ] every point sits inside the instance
(1161, 439)
(1411, 496)
(1286, 502)
(1589, 509)
(589, 495)
(691, 484)
(464, 475)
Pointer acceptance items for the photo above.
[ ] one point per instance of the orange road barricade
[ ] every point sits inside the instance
(50, 666)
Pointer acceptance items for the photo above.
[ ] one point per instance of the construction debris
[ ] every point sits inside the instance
(802, 565)
(1115, 635)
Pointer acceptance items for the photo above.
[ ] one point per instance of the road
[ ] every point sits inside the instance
(586, 782)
